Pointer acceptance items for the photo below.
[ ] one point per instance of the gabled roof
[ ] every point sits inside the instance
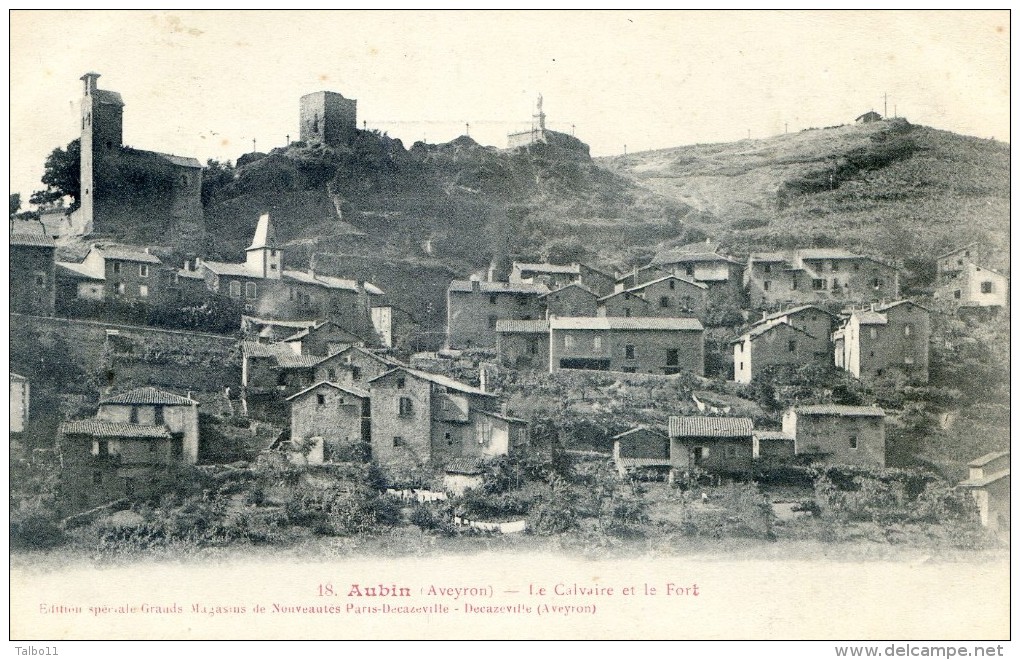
(18, 378)
(32, 240)
(328, 282)
(265, 234)
(515, 325)
(630, 273)
(291, 360)
(710, 427)
(235, 270)
(460, 465)
(356, 391)
(959, 249)
(189, 274)
(623, 323)
(106, 97)
(548, 268)
(869, 317)
(760, 329)
(180, 161)
(465, 286)
(987, 458)
(251, 348)
(792, 311)
(831, 409)
(101, 429)
(673, 257)
(77, 271)
(382, 359)
(300, 334)
(663, 279)
(126, 253)
(887, 306)
(986, 480)
(577, 285)
(629, 292)
(768, 257)
(149, 395)
(437, 379)
(639, 429)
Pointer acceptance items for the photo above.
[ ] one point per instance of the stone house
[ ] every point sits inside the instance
(571, 300)
(125, 273)
(133, 436)
(555, 276)
(268, 290)
(624, 304)
(354, 366)
(716, 444)
(771, 344)
(420, 418)
(671, 297)
(839, 435)
(705, 264)
(317, 339)
(965, 280)
(331, 419)
(638, 276)
(631, 345)
(639, 448)
(523, 344)
(815, 275)
(473, 308)
(20, 402)
(988, 483)
(773, 445)
(33, 275)
(885, 340)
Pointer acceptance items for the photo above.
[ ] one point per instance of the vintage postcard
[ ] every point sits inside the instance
(644, 325)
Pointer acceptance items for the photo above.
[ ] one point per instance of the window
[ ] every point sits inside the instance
(152, 447)
(250, 290)
(272, 253)
(444, 405)
(492, 322)
(398, 441)
(235, 289)
(792, 345)
(522, 300)
(672, 357)
(877, 283)
(320, 399)
(134, 415)
(873, 333)
(956, 294)
(492, 299)
(630, 370)
(628, 351)
(116, 266)
(272, 266)
(835, 266)
(568, 342)
(853, 442)
(741, 366)
(793, 283)
(596, 344)
(766, 268)
(143, 270)
(401, 383)
(835, 283)
(664, 301)
(690, 270)
(356, 375)
(40, 279)
(406, 407)
(533, 347)
(143, 290)
(986, 287)
(766, 285)
(730, 452)
(817, 284)
(331, 374)
(672, 285)
(157, 414)
(626, 312)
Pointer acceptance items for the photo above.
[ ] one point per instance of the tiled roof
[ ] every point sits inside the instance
(283, 324)
(102, 429)
(437, 379)
(987, 458)
(252, 348)
(548, 268)
(840, 411)
(328, 282)
(300, 334)
(108, 97)
(673, 257)
(515, 325)
(18, 377)
(792, 311)
(189, 274)
(77, 271)
(235, 270)
(124, 253)
(149, 395)
(572, 284)
(868, 317)
(625, 434)
(981, 482)
(762, 328)
(629, 292)
(668, 277)
(356, 391)
(383, 359)
(630, 273)
(468, 466)
(896, 303)
(181, 161)
(623, 323)
(768, 257)
(32, 240)
(772, 435)
(291, 360)
(710, 427)
(465, 286)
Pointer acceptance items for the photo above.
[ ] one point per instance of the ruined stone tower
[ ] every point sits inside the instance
(102, 135)
(328, 118)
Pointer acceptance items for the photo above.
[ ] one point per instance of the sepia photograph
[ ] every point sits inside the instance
(508, 325)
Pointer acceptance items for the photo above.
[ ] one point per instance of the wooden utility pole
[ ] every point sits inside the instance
(467, 129)
(885, 105)
(253, 145)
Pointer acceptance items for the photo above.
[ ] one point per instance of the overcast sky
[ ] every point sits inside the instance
(205, 84)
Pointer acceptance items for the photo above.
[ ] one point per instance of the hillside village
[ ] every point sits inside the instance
(171, 385)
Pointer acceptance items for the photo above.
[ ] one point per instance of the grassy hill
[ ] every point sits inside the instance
(891, 188)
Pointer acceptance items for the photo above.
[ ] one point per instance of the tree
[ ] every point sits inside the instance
(62, 176)
(215, 177)
(15, 201)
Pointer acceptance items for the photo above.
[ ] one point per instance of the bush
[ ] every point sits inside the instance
(35, 530)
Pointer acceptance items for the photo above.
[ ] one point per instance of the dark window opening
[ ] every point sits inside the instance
(672, 357)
